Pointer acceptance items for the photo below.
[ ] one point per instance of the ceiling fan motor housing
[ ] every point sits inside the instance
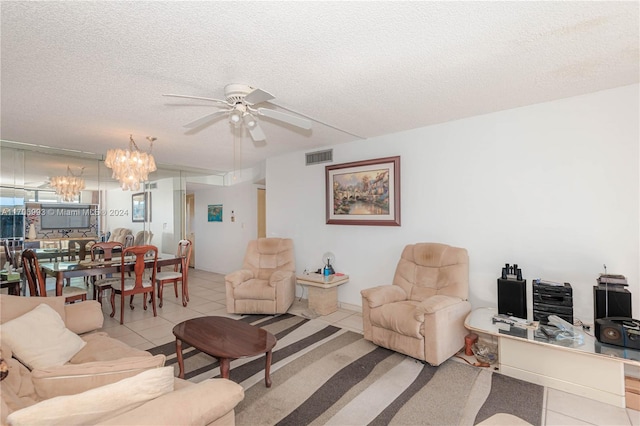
(235, 93)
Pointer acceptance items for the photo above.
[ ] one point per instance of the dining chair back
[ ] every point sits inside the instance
(12, 249)
(103, 251)
(78, 249)
(38, 284)
(128, 240)
(144, 262)
(179, 273)
(33, 274)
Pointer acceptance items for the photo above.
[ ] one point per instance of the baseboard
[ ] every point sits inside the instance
(350, 307)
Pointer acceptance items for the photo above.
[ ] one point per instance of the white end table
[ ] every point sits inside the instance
(323, 291)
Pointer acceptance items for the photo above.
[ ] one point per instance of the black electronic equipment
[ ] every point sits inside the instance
(618, 331)
(512, 297)
(551, 298)
(611, 301)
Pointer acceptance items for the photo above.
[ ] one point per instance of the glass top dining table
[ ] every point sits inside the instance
(88, 268)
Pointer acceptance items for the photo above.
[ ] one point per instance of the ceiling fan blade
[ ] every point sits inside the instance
(256, 133)
(303, 123)
(257, 96)
(202, 120)
(197, 97)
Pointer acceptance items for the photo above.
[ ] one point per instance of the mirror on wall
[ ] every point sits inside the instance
(27, 198)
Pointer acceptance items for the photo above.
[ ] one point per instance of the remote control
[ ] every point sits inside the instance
(503, 320)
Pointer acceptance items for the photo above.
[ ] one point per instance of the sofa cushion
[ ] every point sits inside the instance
(82, 317)
(99, 403)
(13, 306)
(39, 338)
(16, 389)
(70, 379)
(195, 405)
(101, 347)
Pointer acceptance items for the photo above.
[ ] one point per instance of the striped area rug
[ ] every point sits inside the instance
(325, 375)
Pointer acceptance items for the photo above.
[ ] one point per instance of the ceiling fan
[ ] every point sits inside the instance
(241, 106)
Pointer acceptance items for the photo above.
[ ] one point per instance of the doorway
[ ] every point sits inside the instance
(262, 213)
(191, 202)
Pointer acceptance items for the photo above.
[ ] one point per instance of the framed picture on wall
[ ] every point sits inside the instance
(214, 213)
(364, 192)
(141, 207)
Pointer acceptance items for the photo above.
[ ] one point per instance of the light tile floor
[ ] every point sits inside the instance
(207, 297)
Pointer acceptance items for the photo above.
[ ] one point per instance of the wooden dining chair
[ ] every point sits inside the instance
(145, 262)
(37, 282)
(12, 251)
(78, 249)
(179, 273)
(128, 240)
(103, 251)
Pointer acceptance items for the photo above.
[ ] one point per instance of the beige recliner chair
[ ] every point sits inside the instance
(266, 284)
(143, 238)
(119, 234)
(422, 313)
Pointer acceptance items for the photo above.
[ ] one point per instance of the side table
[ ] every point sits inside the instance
(323, 291)
(588, 368)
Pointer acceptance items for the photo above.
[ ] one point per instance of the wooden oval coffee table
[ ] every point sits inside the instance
(225, 339)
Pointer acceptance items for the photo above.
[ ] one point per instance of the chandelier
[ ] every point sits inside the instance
(68, 187)
(131, 166)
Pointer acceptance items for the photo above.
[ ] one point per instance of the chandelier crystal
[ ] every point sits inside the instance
(132, 166)
(68, 187)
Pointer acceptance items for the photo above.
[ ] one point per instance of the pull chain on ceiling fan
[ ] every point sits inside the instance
(240, 105)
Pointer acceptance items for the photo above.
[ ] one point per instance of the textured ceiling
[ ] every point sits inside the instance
(84, 75)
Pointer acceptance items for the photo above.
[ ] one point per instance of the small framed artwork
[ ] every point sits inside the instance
(141, 207)
(364, 192)
(214, 213)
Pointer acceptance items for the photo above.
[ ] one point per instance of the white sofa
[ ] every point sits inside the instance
(100, 364)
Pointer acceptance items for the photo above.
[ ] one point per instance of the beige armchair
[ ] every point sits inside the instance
(266, 284)
(422, 313)
(119, 235)
(143, 238)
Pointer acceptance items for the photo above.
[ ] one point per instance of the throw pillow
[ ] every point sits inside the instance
(97, 404)
(39, 338)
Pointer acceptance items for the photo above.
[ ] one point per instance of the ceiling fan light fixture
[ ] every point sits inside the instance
(235, 117)
(249, 121)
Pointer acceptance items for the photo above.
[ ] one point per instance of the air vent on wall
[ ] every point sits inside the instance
(152, 185)
(319, 157)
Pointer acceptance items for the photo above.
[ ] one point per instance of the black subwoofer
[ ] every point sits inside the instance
(512, 297)
(613, 301)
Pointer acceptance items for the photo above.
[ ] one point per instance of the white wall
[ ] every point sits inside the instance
(220, 246)
(553, 187)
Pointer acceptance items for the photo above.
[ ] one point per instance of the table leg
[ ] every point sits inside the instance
(185, 284)
(267, 369)
(180, 360)
(224, 367)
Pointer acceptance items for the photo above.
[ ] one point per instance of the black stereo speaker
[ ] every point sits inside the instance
(619, 302)
(618, 331)
(512, 297)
